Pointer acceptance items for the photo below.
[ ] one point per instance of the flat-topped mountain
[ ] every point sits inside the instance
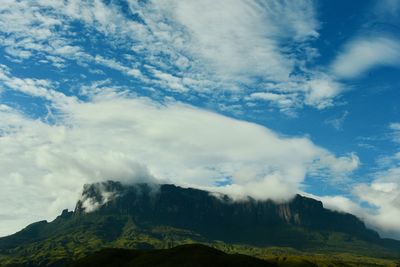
(143, 216)
(218, 217)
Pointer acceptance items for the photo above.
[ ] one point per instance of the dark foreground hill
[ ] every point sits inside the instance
(156, 217)
(181, 256)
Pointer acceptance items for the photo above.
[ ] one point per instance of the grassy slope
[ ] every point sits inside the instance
(78, 237)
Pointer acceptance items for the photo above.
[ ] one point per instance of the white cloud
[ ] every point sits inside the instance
(341, 204)
(384, 191)
(233, 39)
(136, 140)
(319, 91)
(382, 196)
(285, 102)
(395, 127)
(33, 87)
(18, 53)
(134, 72)
(363, 54)
(169, 81)
(342, 164)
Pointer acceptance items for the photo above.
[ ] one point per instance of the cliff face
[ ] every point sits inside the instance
(216, 217)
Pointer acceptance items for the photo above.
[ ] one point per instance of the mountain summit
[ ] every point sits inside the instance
(218, 217)
(144, 216)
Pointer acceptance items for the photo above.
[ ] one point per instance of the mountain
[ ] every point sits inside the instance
(220, 218)
(143, 216)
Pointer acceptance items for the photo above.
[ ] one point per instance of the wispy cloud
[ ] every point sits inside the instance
(395, 129)
(235, 39)
(387, 10)
(337, 122)
(40, 88)
(365, 53)
(188, 47)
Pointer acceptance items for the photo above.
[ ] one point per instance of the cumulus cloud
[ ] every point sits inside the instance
(383, 192)
(365, 53)
(382, 196)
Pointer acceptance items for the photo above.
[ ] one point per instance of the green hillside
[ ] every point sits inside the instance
(140, 219)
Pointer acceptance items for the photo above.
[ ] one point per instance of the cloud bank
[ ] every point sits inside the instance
(138, 140)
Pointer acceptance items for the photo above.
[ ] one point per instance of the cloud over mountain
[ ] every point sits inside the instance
(138, 140)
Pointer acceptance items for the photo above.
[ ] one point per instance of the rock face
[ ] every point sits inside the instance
(218, 217)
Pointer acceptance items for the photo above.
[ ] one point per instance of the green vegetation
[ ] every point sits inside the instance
(77, 237)
(304, 236)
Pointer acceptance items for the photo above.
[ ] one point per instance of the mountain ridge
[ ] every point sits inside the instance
(144, 216)
(170, 204)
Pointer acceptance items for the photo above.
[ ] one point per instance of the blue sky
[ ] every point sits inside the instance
(259, 98)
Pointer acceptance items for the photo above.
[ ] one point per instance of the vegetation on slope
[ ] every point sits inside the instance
(138, 220)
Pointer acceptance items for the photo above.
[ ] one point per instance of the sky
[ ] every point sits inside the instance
(245, 97)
